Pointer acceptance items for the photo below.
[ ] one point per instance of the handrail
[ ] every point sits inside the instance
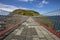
(8, 29)
(49, 29)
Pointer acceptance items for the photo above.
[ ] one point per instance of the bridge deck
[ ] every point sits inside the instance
(31, 30)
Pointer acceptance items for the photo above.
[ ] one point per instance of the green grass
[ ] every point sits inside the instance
(46, 22)
(25, 12)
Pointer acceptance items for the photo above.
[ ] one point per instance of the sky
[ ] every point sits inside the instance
(41, 6)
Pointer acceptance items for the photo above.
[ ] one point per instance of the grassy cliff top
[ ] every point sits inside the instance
(25, 12)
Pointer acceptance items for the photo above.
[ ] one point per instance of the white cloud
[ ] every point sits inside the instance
(45, 2)
(9, 8)
(26, 0)
(42, 3)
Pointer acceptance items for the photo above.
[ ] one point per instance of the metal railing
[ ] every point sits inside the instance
(51, 19)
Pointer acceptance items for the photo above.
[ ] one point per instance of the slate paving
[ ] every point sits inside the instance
(31, 30)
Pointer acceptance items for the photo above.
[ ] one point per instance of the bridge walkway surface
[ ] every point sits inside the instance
(31, 30)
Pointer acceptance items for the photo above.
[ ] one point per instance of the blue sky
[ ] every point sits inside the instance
(41, 6)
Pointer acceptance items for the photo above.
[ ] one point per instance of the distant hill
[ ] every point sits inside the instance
(24, 12)
(52, 13)
(57, 17)
(3, 12)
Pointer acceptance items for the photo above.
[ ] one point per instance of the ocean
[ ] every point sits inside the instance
(56, 21)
